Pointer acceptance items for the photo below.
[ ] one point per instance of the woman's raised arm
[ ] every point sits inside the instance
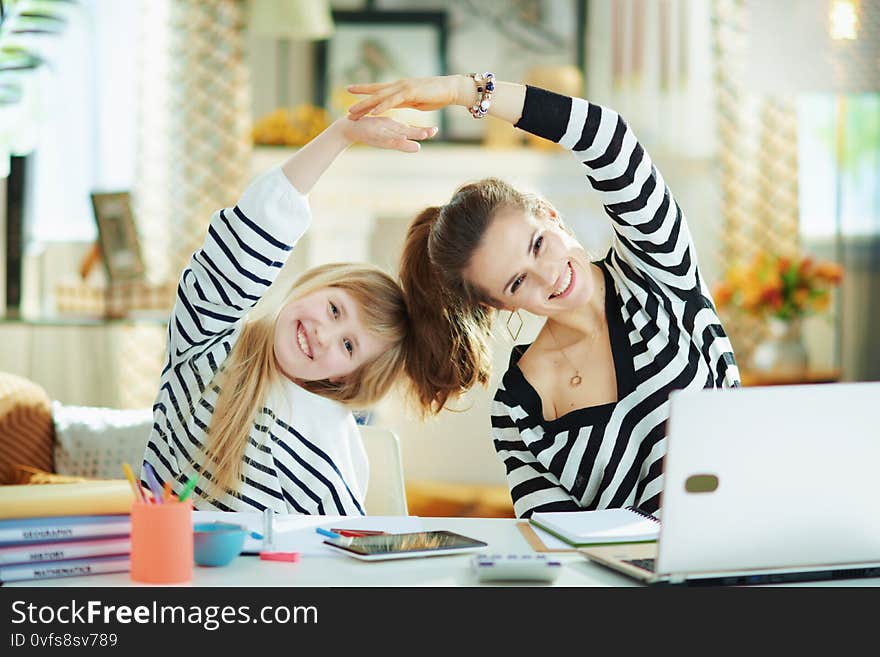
(437, 92)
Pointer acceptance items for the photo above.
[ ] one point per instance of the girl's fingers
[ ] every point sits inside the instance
(407, 146)
(418, 133)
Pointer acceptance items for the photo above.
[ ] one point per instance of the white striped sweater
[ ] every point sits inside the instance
(304, 452)
(665, 333)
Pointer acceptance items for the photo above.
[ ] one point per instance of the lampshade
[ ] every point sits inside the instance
(291, 19)
(813, 46)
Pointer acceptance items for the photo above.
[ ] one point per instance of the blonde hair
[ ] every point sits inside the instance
(250, 369)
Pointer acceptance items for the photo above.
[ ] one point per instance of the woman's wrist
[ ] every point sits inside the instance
(466, 94)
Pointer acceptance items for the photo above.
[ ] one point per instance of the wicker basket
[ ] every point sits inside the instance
(112, 301)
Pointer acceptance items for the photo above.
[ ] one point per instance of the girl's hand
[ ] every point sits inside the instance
(420, 93)
(383, 132)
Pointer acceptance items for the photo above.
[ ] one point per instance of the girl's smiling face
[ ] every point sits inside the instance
(322, 336)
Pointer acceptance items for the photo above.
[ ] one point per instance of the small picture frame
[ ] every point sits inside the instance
(117, 234)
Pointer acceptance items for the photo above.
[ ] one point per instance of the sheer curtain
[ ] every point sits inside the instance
(859, 246)
(86, 139)
(651, 60)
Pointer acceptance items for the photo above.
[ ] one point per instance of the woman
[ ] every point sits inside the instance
(579, 417)
(256, 399)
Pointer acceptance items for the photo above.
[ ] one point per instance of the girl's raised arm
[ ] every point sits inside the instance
(306, 166)
(247, 244)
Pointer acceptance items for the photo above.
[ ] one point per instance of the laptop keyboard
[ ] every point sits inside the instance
(644, 564)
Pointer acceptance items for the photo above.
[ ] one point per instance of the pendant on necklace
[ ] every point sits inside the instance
(575, 380)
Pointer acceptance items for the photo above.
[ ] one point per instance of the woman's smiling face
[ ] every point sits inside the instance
(322, 336)
(531, 262)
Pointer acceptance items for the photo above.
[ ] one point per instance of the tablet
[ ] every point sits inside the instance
(404, 546)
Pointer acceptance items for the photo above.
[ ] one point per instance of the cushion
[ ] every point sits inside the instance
(25, 427)
(93, 442)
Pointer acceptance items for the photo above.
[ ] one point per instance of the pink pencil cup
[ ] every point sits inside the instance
(161, 542)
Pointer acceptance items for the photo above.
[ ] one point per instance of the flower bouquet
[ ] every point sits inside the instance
(780, 290)
(778, 286)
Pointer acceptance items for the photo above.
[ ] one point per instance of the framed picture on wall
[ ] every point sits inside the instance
(541, 42)
(117, 236)
(380, 46)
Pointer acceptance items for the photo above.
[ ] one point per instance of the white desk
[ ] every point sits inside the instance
(442, 571)
(337, 570)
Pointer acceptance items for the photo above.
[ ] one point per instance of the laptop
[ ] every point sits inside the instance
(764, 485)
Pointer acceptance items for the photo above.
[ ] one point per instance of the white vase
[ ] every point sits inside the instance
(782, 352)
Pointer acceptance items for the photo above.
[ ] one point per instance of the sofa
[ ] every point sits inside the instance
(45, 441)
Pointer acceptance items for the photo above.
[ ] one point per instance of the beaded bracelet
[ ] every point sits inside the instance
(485, 86)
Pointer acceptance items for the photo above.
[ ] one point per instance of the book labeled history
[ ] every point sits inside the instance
(63, 550)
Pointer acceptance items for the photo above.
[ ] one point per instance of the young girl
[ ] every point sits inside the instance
(579, 417)
(256, 404)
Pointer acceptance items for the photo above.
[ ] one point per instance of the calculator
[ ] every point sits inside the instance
(515, 568)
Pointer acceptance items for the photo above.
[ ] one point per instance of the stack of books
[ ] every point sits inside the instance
(64, 530)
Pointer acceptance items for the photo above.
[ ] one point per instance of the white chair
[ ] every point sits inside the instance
(386, 494)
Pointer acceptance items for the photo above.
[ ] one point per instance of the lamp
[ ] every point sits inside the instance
(286, 21)
(817, 46)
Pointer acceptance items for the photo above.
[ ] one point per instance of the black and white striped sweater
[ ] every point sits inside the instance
(304, 452)
(665, 333)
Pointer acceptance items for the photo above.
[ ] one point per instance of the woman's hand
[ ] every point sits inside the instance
(419, 93)
(383, 132)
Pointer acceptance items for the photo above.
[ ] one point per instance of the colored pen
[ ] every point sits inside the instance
(327, 532)
(167, 495)
(135, 485)
(188, 487)
(354, 533)
(153, 483)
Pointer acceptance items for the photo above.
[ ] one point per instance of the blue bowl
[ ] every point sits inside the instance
(218, 543)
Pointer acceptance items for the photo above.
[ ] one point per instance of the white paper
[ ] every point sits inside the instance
(549, 540)
(296, 533)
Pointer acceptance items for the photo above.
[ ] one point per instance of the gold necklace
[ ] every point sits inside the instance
(576, 380)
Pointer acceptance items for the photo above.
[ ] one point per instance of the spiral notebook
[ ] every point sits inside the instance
(600, 527)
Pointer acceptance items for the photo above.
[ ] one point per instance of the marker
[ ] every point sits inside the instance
(291, 557)
(135, 485)
(357, 533)
(188, 487)
(166, 493)
(327, 532)
(153, 482)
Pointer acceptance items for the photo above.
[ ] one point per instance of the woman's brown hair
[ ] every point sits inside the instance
(449, 346)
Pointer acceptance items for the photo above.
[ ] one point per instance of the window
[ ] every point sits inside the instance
(859, 170)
